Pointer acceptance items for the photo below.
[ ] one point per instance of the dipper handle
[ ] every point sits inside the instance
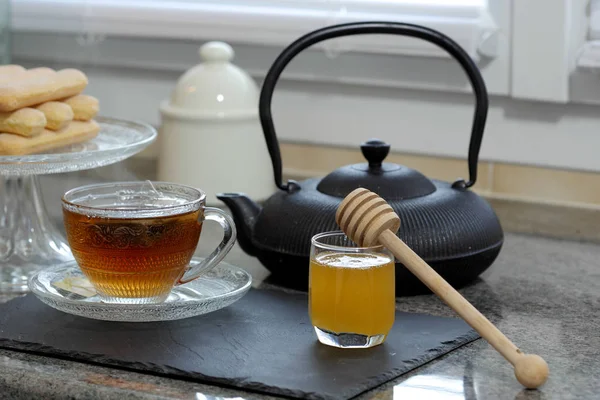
(368, 220)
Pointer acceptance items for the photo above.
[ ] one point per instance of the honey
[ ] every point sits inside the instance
(352, 293)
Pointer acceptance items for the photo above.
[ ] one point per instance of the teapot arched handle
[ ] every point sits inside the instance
(358, 28)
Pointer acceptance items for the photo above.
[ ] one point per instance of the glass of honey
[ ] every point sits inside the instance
(351, 291)
(134, 240)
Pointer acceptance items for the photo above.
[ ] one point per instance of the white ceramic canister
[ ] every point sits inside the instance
(210, 136)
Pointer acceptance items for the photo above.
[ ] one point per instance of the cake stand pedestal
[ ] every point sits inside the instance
(29, 241)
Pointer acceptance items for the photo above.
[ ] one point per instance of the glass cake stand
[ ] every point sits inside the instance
(29, 241)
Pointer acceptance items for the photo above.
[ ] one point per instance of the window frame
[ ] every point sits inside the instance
(472, 27)
(96, 20)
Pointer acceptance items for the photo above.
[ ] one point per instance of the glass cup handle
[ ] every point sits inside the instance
(229, 235)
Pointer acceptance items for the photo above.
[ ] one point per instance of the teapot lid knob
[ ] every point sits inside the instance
(375, 151)
(216, 52)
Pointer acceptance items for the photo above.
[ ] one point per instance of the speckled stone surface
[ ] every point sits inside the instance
(544, 294)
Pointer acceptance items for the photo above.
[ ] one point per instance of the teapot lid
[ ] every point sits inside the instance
(390, 181)
(214, 88)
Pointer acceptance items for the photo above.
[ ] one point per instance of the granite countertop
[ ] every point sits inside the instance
(544, 294)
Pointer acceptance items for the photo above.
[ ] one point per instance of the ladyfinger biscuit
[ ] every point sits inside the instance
(58, 115)
(38, 72)
(10, 72)
(25, 74)
(10, 69)
(75, 132)
(27, 92)
(84, 107)
(25, 122)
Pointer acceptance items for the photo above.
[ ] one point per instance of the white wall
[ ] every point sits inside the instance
(313, 105)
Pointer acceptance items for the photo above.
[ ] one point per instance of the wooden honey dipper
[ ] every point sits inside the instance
(369, 220)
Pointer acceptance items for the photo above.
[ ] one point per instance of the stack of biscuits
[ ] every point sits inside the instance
(42, 109)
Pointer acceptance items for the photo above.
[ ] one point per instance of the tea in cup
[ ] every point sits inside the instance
(134, 240)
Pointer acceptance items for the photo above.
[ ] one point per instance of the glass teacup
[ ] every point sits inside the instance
(134, 240)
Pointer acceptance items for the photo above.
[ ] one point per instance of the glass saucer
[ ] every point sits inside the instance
(65, 288)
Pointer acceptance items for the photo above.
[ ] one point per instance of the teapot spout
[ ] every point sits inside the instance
(245, 212)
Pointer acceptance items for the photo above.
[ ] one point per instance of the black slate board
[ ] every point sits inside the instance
(262, 343)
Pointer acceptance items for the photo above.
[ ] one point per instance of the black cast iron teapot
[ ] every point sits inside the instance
(448, 225)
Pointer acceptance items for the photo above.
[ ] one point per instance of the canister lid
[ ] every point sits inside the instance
(215, 88)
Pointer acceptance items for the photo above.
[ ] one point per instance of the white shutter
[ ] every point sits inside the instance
(589, 56)
(594, 29)
(541, 32)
